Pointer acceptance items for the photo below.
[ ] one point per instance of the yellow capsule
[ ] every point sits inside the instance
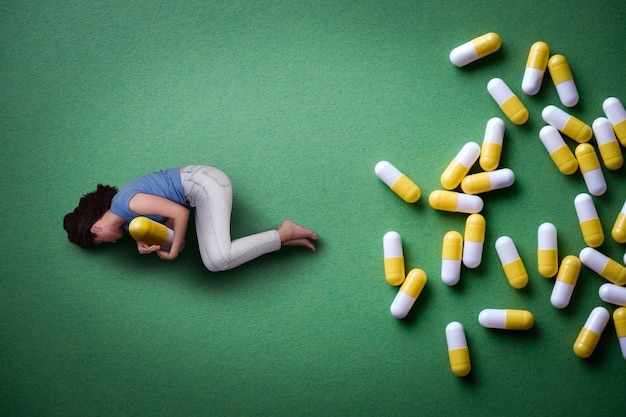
(619, 228)
(508, 319)
(397, 181)
(565, 281)
(604, 266)
(455, 202)
(588, 220)
(508, 102)
(451, 256)
(535, 68)
(547, 250)
(567, 124)
(615, 112)
(560, 153)
(457, 349)
(563, 80)
(150, 232)
(393, 258)
(608, 146)
(475, 49)
(488, 181)
(590, 168)
(408, 293)
(512, 264)
(589, 336)
(491, 149)
(460, 165)
(474, 240)
(619, 319)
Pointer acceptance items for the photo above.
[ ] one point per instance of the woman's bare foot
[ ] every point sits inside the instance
(292, 234)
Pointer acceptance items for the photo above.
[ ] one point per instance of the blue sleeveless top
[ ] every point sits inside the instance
(164, 183)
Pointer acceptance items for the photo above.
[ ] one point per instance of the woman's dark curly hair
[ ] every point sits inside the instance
(90, 208)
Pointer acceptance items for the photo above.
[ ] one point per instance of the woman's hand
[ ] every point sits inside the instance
(145, 249)
(167, 256)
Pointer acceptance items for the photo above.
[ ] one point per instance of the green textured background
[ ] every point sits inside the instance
(296, 101)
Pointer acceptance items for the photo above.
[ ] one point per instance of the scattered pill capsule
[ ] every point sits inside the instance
(563, 80)
(608, 146)
(491, 149)
(460, 165)
(457, 349)
(615, 112)
(451, 256)
(393, 258)
(508, 319)
(614, 294)
(535, 68)
(409, 291)
(475, 49)
(619, 228)
(547, 250)
(151, 232)
(588, 220)
(604, 266)
(509, 103)
(589, 336)
(567, 124)
(488, 181)
(560, 153)
(590, 168)
(565, 281)
(455, 202)
(619, 320)
(474, 240)
(512, 264)
(399, 183)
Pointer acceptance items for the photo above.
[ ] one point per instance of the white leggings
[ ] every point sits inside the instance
(209, 190)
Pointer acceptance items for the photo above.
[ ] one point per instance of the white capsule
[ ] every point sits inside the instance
(565, 281)
(563, 80)
(455, 202)
(614, 294)
(474, 240)
(590, 333)
(457, 349)
(475, 49)
(451, 255)
(512, 264)
(547, 250)
(393, 258)
(460, 165)
(535, 68)
(408, 293)
(483, 182)
(604, 266)
(399, 183)
(491, 149)
(509, 319)
(608, 146)
(615, 112)
(588, 220)
(559, 152)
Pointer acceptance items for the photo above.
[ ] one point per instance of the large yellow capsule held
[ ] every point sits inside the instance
(150, 232)
(397, 181)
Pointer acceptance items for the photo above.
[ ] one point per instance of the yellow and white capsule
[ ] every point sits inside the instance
(475, 49)
(488, 181)
(535, 68)
(590, 168)
(508, 102)
(474, 240)
(512, 264)
(451, 256)
(589, 336)
(150, 232)
(619, 228)
(399, 183)
(460, 165)
(507, 319)
(393, 258)
(491, 149)
(613, 294)
(565, 281)
(408, 293)
(559, 152)
(567, 124)
(588, 220)
(455, 202)
(608, 146)
(547, 250)
(563, 80)
(615, 112)
(619, 319)
(604, 266)
(457, 349)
